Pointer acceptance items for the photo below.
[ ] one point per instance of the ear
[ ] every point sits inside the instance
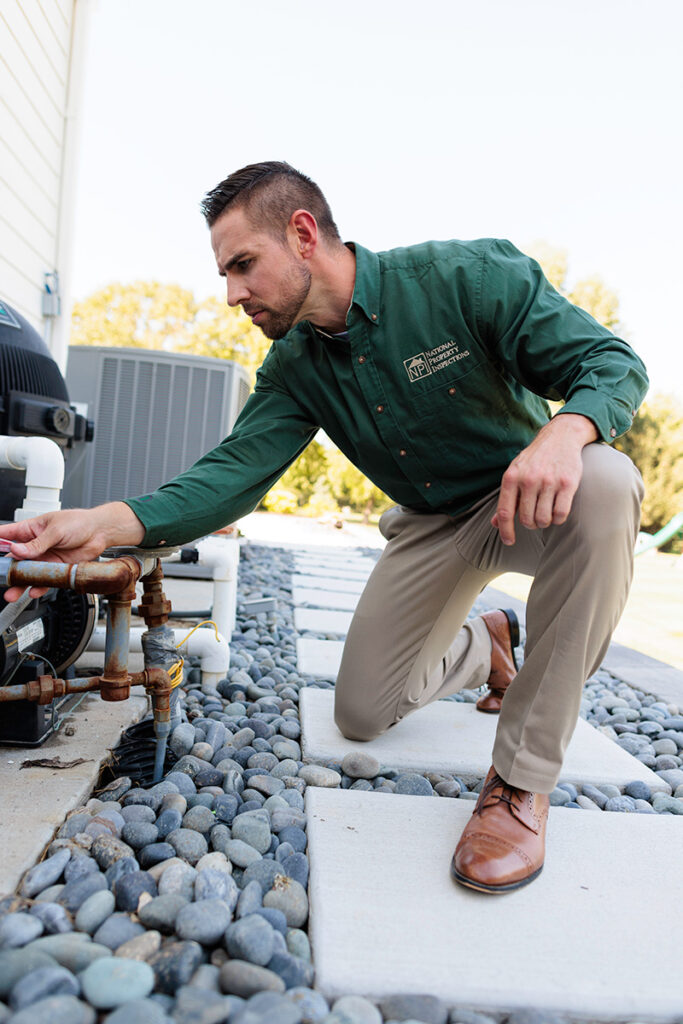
(303, 233)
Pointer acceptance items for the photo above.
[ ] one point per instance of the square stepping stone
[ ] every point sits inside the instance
(453, 737)
(343, 568)
(324, 598)
(591, 936)
(328, 583)
(322, 620)
(360, 575)
(320, 658)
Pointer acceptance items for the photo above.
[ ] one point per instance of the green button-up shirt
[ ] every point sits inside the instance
(452, 350)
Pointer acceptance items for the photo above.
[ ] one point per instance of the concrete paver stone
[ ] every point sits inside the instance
(324, 598)
(456, 738)
(586, 937)
(329, 583)
(320, 658)
(322, 620)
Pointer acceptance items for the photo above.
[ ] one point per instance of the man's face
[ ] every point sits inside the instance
(263, 274)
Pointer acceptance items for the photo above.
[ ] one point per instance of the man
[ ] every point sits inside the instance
(429, 367)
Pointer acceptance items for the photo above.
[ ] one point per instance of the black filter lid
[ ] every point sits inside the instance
(25, 361)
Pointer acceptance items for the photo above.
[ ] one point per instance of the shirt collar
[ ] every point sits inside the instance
(366, 291)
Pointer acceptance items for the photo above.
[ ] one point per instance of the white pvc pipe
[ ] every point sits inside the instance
(43, 462)
(214, 653)
(221, 555)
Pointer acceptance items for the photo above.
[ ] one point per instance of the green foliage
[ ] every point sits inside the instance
(591, 293)
(655, 443)
(151, 315)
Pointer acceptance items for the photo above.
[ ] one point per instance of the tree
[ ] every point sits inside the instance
(151, 315)
(655, 443)
(590, 293)
(352, 488)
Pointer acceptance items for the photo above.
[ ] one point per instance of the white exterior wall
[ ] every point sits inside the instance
(40, 62)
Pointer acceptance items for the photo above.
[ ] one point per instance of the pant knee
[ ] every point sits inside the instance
(611, 487)
(354, 723)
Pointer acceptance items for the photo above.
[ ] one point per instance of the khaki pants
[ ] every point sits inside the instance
(407, 644)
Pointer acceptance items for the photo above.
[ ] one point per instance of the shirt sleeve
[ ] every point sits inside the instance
(554, 348)
(229, 481)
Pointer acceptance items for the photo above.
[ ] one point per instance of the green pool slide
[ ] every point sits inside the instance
(648, 541)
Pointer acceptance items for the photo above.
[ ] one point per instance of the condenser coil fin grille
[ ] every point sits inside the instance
(155, 414)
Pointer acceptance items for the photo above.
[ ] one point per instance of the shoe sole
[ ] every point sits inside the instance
(513, 625)
(482, 887)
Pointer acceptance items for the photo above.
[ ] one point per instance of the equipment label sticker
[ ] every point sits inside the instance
(30, 634)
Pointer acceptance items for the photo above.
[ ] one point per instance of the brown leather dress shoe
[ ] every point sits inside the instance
(503, 627)
(503, 845)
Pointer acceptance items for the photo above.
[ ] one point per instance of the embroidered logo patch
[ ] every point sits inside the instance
(425, 363)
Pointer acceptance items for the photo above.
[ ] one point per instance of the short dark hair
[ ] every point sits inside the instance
(270, 192)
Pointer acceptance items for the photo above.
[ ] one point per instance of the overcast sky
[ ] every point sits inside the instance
(525, 119)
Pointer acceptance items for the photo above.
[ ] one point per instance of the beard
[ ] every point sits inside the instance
(277, 322)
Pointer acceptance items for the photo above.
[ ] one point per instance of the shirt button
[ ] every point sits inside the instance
(361, 359)
(380, 408)
(374, 316)
(612, 432)
(451, 391)
(403, 452)
(161, 543)
(428, 484)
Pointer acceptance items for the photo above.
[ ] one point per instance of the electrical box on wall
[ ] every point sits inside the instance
(155, 414)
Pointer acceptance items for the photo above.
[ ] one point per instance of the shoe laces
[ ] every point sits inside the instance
(507, 794)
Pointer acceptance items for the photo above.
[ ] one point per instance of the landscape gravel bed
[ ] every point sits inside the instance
(187, 902)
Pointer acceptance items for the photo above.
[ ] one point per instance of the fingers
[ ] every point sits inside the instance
(504, 518)
(12, 593)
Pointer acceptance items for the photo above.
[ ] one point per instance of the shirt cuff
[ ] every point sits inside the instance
(611, 419)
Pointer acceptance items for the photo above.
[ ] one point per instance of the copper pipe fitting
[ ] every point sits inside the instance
(85, 577)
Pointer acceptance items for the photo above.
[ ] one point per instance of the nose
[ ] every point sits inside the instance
(237, 292)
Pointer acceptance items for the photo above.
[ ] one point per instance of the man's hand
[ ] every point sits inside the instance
(73, 535)
(539, 485)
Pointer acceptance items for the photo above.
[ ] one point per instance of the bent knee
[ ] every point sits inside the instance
(609, 474)
(355, 724)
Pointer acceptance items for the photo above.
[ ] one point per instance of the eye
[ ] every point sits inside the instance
(242, 265)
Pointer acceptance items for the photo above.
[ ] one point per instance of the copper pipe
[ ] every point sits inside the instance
(154, 607)
(111, 577)
(44, 689)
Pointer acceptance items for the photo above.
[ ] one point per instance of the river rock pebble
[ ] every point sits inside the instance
(60, 1009)
(109, 983)
(358, 765)
(41, 984)
(204, 921)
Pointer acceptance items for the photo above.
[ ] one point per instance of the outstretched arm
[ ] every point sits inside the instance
(540, 483)
(72, 535)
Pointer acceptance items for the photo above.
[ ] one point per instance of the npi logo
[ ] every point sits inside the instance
(417, 366)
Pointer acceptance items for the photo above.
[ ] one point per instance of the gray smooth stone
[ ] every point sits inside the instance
(203, 922)
(15, 963)
(425, 1008)
(116, 930)
(252, 828)
(268, 1008)
(175, 964)
(241, 978)
(45, 874)
(188, 844)
(354, 1010)
(358, 765)
(250, 938)
(74, 894)
(241, 853)
(19, 929)
(55, 919)
(139, 833)
(109, 983)
(212, 883)
(290, 897)
(129, 889)
(56, 1010)
(160, 913)
(94, 911)
(74, 950)
(413, 784)
(138, 1011)
(42, 983)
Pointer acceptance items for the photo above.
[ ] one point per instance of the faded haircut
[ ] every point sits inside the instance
(269, 193)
